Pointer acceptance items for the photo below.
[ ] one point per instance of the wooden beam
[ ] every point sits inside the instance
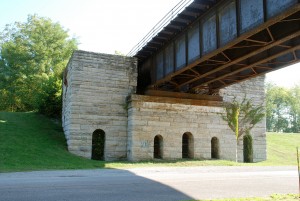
(183, 95)
(172, 100)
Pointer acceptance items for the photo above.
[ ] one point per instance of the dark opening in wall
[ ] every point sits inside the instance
(158, 146)
(187, 145)
(98, 143)
(215, 148)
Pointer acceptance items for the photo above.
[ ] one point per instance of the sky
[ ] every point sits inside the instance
(106, 26)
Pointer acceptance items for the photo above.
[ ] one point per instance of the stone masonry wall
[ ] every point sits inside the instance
(173, 117)
(253, 89)
(94, 97)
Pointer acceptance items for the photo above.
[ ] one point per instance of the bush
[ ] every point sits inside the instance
(248, 149)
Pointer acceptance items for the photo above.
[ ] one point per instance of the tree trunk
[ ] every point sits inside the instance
(236, 150)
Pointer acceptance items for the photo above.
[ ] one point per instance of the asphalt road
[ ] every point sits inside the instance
(155, 184)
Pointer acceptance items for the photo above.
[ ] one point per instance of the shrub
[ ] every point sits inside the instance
(248, 149)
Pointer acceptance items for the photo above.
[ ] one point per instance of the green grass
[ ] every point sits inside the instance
(29, 141)
(281, 149)
(275, 197)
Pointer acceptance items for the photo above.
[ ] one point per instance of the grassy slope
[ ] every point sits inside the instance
(29, 141)
(282, 148)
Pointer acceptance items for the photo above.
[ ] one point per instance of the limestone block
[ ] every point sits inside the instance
(158, 123)
(138, 122)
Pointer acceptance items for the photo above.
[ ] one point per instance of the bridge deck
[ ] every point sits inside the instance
(212, 44)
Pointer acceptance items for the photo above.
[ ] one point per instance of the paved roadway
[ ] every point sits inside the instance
(153, 184)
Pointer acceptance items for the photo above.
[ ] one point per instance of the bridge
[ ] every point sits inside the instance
(202, 46)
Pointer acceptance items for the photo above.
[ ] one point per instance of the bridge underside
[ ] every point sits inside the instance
(266, 49)
(272, 45)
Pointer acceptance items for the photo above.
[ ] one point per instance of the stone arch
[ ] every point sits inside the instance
(158, 147)
(98, 144)
(215, 148)
(187, 145)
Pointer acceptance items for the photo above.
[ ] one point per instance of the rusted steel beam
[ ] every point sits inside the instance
(195, 10)
(178, 24)
(263, 67)
(271, 35)
(246, 46)
(253, 76)
(254, 71)
(204, 4)
(164, 35)
(245, 57)
(290, 20)
(256, 41)
(171, 29)
(252, 65)
(186, 17)
(142, 55)
(226, 56)
(156, 39)
(195, 72)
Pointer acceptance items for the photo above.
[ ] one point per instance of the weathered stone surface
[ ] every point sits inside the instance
(253, 89)
(148, 117)
(95, 91)
(171, 121)
(94, 97)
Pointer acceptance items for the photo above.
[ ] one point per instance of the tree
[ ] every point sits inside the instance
(295, 109)
(32, 55)
(283, 108)
(241, 117)
(277, 107)
(50, 99)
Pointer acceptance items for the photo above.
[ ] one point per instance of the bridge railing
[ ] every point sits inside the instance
(160, 25)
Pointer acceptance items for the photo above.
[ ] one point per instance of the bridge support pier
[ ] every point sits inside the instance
(171, 118)
(99, 97)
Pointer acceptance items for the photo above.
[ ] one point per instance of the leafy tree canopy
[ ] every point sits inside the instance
(33, 55)
(242, 116)
(283, 108)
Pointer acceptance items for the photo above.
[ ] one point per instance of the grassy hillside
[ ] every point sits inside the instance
(282, 148)
(29, 141)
